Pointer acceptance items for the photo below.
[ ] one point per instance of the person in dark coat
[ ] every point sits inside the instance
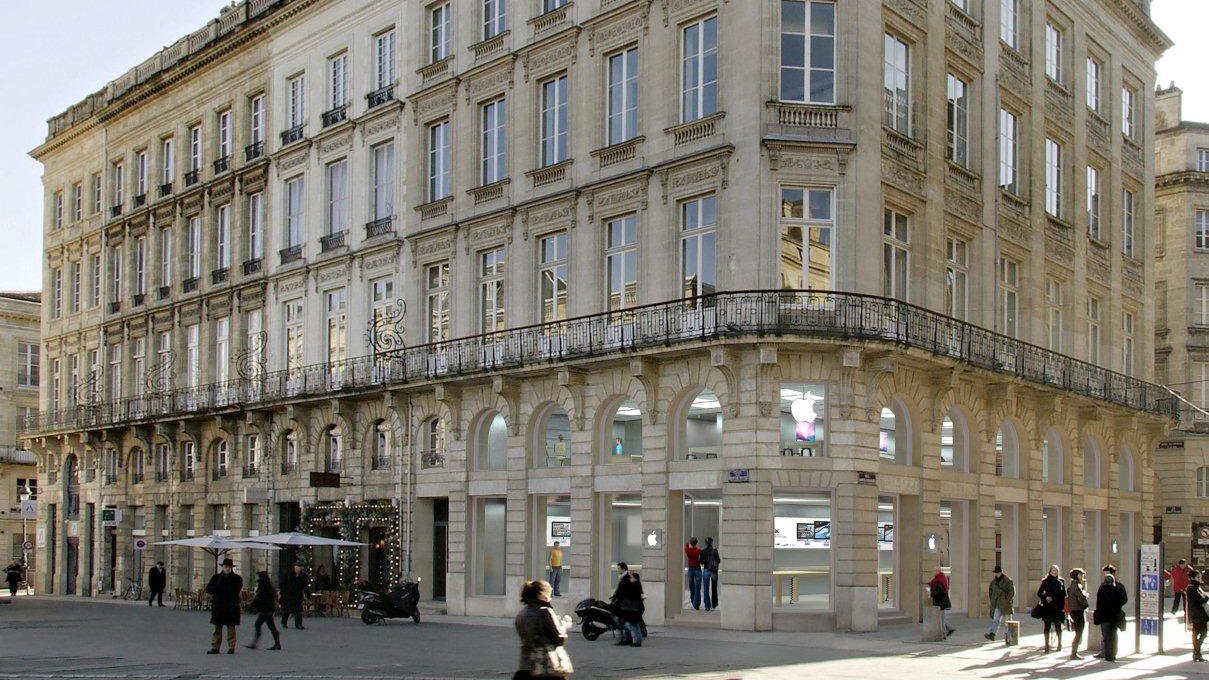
(1196, 598)
(1051, 598)
(12, 575)
(938, 590)
(224, 589)
(1076, 601)
(627, 602)
(265, 605)
(1110, 612)
(711, 560)
(157, 580)
(543, 636)
(294, 589)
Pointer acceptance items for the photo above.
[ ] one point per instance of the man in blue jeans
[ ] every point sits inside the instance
(711, 559)
(693, 556)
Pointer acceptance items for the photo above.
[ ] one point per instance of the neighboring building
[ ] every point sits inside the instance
(19, 379)
(589, 186)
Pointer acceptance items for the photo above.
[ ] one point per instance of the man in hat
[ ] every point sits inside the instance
(1002, 595)
(224, 589)
(1111, 599)
(1197, 615)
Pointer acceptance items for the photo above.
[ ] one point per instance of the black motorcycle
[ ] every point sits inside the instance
(400, 603)
(595, 618)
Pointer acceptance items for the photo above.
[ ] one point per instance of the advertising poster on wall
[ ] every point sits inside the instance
(1200, 544)
(558, 529)
(801, 532)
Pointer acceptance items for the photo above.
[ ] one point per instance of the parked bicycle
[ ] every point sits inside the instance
(134, 589)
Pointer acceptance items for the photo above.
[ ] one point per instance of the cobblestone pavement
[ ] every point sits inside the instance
(43, 637)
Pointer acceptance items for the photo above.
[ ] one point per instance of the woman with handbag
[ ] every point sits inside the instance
(1051, 598)
(1197, 616)
(938, 590)
(543, 636)
(1076, 604)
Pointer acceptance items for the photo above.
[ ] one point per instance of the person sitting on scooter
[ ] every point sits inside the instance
(627, 601)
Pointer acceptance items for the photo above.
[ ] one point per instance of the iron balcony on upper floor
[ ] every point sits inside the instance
(380, 96)
(840, 317)
(253, 151)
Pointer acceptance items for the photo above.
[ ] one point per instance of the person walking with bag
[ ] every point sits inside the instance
(543, 636)
(938, 590)
(1051, 598)
(224, 588)
(1002, 595)
(1076, 604)
(711, 559)
(265, 606)
(1110, 612)
(1196, 599)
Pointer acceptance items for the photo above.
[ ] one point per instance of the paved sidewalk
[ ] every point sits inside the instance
(44, 637)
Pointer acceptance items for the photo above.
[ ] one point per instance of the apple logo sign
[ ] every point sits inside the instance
(932, 542)
(652, 540)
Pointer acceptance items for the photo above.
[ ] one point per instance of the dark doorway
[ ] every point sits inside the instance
(112, 538)
(73, 564)
(377, 571)
(440, 546)
(289, 518)
(92, 546)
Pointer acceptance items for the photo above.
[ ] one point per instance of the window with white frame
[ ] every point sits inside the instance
(698, 252)
(552, 276)
(438, 42)
(699, 69)
(1127, 342)
(295, 215)
(1008, 21)
(1054, 300)
(494, 142)
(224, 134)
(195, 147)
(622, 116)
(56, 383)
(94, 289)
(436, 301)
(166, 256)
(957, 276)
(1200, 378)
(491, 290)
(807, 219)
(289, 457)
(256, 118)
(188, 459)
(1202, 230)
(254, 343)
(222, 349)
(334, 453)
(115, 372)
(292, 314)
(551, 5)
(255, 226)
(1053, 52)
(119, 183)
(1094, 67)
(28, 358)
(140, 173)
(381, 459)
(56, 209)
(381, 295)
(494, 18)
(438, 161)
(337, 326)
(337, 80)
(1202, 160)
(337, 197)
(1093, 330)
(222, 237)
(56, 282)
(808, 51)
(958, 108)
(1128, 111)
(167, 161)
(222, 461)
(384, 180)
(296, 101)
(897, 83)
(193, 355)
(1053, 177)
(554, 121)
(115, 273)
(1201, 290)
(896, 253)
(1202, 480)
(621, 262)
(253, 456)
(193, 246)
(384, 60)
(73, 378)
(77, 202)
(1127, 223)
(96, 193)
(139, 374)
(76, 279)
(1093, 202)
(140, 265)
(1007, 151)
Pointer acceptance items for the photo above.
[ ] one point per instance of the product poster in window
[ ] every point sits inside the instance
(560, 530)
(801, 532)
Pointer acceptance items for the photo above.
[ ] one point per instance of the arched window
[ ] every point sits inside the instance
(188, 460)
(702, 427)
(432, 441)
(1051, 458)
(138, 466)
(222, 459)
(624, 437)
(252, 464)
(289, 452)
(111, 466)
(333, 449)
(1125, 470)
(954, 446)
(492, 443)
(1091, 465)
(803, 416)
(554, 439)
(381, 459)
(1202, 482)
(1007, 451)
(894, 436)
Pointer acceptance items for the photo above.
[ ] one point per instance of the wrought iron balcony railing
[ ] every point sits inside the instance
(165, 189)
(165, 291)
(192, 177)
(251, 266)
(219, 275)
(253, 151)
(380, 227)
(222, 164)
(138, 299)
(139, 200)
(115, 307)
(334, 116)
(332, 241)
(189, 285)
(844, 317)
(291, 135)
(115, 210)
(290, 254)
(380, 96)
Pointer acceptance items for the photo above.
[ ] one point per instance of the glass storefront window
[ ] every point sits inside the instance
(625, 534)
(803, 419)
(703, 427)
(801, 555)
(702, 520)
(625, 434)
(887, 593)
(493, 444)
(555, 445)
(558, 528)
(490, 548)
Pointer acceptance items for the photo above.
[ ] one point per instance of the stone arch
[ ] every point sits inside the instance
(957, 439)
(432, 441)
(689, 423)
(548, 440)
(1093, 476)
(1126, 472)
(1008, 450)
(219, 456)
(489, 440)
(329, 443)
(370, 417)
(898, 436)
(1053, 456)
(608, 428)
(71, 485)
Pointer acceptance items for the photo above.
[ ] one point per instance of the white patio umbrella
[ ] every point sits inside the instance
(219, 545)
(297, 538)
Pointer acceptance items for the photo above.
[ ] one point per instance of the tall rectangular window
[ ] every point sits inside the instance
(958, 121)
(384, 60)
(699, 69)
(76, 284)
(164, 361)
(698, 223)
(1201, 241)
(115, 372)
(28, 359)
(296, 104)
(140, 265)
(337, 197)
(897, 82)
(384, 181)
(256, 118)
(554, 121)
(141, 169)
(622, 116)
(808, 51)
(1201, 291)
(94, 276)
(115, 273)
(1127, 225)
(222, 237)
(56, 383)
(1202, 160)
(621, 262)
(167, 161)
(193, 356)
(337, 81)
(1128, 112)
(494, 18)
(96, 193)
(193, 246)
(552, 276)
(138, 376)
(438, 161)
(295, 198)
(957, 276)
(896, 253)
(807, 225)
(439, 22)
(382, 293)
(1054, 301)
(337, 326)
(1093, 330)
(1053, 52)
(1053, 177)
(1007, 151)
(551, 5)
(255, 226)
(254, 342)
(195, 147)
(436, 301)
(494, 142)
(1008, 22)
(1127, 342)
(166, 256)
(119, 183)
(56, 209)
(224, 134)
(1093, 84)
(77, 202)
(292, 316)
(491, 290)
(56, 282)
(1093, 202)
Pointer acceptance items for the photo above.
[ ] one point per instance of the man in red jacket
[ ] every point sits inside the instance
(692, 556)
(1179, 575)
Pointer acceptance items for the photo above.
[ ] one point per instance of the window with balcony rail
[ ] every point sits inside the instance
(332, 241)
(251, 266)
(222, 164)
(165, 189)
(220, 275)
(336, 115)
(291, 254)
(291, 135)
(380, 227)
(380, 96)
(253, 151)
(192, 177)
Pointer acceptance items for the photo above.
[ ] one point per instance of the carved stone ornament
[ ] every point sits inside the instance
(337, 143)
(496, 231)
(386, 123)
(902, 178)
(711, 172)
(622, 29)
(332, 274)
(293, 160)
(626, 196)
(291, 285)
(553, 57)
(380, 261)
(436, 103)
(489, 82)
(549, 216)
(963, 206)
(677, 9)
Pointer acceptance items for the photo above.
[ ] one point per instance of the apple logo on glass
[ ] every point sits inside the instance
(931, 541)
(652, 540)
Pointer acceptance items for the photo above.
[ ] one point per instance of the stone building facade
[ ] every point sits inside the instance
(576, 308)
(19, 377)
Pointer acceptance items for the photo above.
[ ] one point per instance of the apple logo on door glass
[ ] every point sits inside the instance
(652, 540)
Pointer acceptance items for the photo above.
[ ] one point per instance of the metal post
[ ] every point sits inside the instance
(1162, 587)
(1137, 606)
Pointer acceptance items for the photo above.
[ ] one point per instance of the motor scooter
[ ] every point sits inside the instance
(400, 603)
(595, 618)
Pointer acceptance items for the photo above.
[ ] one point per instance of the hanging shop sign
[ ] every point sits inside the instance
(325, 480)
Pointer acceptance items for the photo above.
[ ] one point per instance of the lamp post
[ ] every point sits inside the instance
(24, 494)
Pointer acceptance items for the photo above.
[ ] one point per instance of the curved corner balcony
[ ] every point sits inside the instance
(839, 317)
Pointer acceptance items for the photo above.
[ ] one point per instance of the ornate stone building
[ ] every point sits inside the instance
(488, 276)
(19, 374)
